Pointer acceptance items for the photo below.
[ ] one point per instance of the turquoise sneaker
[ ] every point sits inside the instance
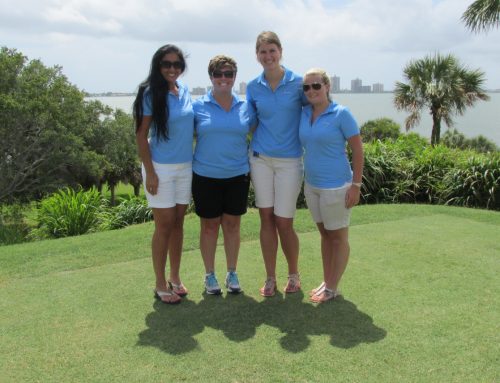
(211, 285)
(232, 283)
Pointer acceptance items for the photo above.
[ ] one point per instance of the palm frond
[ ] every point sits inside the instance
(482, 15)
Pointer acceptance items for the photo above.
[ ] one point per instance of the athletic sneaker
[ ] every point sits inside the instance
(232, 283)
(211, 285)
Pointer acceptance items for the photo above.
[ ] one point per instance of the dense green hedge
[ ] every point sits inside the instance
(404, 170)
(408, 170)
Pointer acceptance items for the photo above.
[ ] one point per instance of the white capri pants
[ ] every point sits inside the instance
(328, 206)
(174, 185)
(277, 183)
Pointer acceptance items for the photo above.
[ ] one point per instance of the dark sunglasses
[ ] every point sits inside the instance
(314, 85)
(226, 74)
(169, 64)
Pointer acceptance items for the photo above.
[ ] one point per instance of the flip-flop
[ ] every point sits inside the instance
(317, 290)
(168, 297)
(293, 284)
(324, 296)
(179, 289)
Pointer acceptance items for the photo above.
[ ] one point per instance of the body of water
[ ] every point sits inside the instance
(483, 118)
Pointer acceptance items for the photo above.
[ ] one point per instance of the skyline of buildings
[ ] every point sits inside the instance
(356, 87)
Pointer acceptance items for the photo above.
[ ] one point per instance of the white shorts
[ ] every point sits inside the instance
(277, 183)
(174, 185)
(327, 206)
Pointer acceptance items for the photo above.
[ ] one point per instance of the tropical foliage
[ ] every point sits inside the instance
(482, 15)
(440, 84)
(51, 137)
(380, 129)
(128, 212)
(455, 139)
(69, 212)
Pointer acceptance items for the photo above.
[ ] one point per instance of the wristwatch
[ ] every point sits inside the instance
(357, 184)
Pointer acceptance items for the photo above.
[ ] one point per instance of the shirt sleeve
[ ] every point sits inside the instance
(146, 103)
(348, 125)
(252, 115)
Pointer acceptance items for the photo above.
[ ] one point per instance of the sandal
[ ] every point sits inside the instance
(168, 297)
(324, 296)
(179, 289)
(269, 288)
(317, 290)
(293, 284)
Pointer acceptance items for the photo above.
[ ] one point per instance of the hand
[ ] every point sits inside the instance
(352, 196)
(152, 183)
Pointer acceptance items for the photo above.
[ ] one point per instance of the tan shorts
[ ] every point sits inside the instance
(327, 206)
(277, 183)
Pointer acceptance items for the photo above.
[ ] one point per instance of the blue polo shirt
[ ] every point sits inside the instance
(221, 137)
(179, 148)
(278, 113)
(325, 159)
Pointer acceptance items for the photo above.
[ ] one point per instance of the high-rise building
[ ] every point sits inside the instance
(198, 91)
(335, 84)
(378, 88)
(243, 87)
(356, 85)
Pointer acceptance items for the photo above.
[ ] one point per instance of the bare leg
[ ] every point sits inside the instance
(337, 256)
(208, 241)
(164, 224)
(289, 242)
(326, 252)
(268, 240)
(231, 231)
(175, 244)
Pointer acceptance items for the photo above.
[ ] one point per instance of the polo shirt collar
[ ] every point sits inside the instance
(289, 76)
(330, 109)
(209, 97)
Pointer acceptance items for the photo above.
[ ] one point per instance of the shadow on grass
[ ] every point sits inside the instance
(172, 328)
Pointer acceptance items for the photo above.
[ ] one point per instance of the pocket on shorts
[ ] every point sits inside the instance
(333, 197)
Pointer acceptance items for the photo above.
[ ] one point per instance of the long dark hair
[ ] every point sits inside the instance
(158, 88)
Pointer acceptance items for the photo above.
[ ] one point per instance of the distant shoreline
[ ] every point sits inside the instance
(120, 94)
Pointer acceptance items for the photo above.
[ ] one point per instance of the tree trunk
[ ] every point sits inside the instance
(137, 189)
(436, 129)
(112, 190)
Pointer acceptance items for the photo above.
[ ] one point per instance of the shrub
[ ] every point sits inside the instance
(381, 171)
(68, 212)
(455, 139)
(380, 129)
(474, 184)
(129, 211)
(409, 170)
(13, 228)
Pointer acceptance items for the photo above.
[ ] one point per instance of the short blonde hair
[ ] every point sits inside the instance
(267, 37)
(324, 77)
(220, 61)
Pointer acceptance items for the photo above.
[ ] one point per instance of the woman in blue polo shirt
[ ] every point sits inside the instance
(220, 169)
(164, 123)
(276, 159)
(331, 187)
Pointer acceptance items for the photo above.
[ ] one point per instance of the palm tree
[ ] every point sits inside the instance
(482, 15)
(441, 84)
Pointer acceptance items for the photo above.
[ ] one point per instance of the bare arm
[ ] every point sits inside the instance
(141, 138)
(354, 192)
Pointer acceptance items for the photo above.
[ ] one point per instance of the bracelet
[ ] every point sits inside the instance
(357, 184)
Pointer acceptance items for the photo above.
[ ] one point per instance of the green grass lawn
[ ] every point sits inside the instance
(421, 304)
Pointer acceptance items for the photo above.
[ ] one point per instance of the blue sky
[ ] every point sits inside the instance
(107, 45)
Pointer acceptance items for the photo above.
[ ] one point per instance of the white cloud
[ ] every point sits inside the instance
(107, 45)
